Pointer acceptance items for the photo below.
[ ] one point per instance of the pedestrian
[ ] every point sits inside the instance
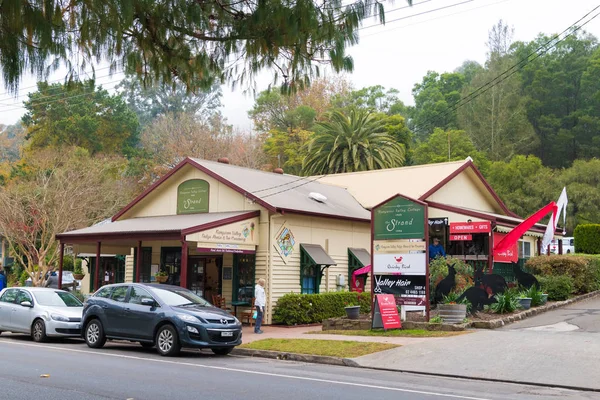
(436, 250)
(2, 279)
(259, 302)
(52, 279)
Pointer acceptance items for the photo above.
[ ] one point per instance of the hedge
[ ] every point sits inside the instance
(584, 271)
(587, 238)
(296, 309)
(558, 287)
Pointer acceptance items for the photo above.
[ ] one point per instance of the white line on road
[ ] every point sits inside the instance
(97, 353)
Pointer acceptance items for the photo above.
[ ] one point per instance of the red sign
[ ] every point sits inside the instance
(389, 311)
(357, 283)
(509, 255)
(461, 237)
(470, 227)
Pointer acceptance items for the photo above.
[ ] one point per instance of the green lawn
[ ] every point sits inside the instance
(334, 348)
(392, 333)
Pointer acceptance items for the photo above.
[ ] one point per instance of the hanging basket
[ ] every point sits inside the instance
(78, 276)
(161, 279)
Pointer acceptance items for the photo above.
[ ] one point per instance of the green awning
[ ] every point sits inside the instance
(316, 254)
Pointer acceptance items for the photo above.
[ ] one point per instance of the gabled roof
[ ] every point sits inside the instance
(276, 192)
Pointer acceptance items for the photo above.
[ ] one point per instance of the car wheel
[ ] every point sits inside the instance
(147, 345)
(38, 331)
(222, 351)
(167, 341)
(94, 334)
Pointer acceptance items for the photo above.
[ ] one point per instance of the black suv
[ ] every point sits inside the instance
(165, 316)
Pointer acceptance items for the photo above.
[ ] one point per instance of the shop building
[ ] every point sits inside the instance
(216, 228)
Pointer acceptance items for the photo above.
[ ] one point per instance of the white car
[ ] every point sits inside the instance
(40, 312)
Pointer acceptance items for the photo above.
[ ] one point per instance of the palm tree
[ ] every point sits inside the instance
(348, 144)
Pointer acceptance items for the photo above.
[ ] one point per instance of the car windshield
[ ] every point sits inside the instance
(180, 297)
(57, 299)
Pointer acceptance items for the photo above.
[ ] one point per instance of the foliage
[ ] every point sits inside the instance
(54, 191)
(78, 268)
(12, 138)
(82, 115)
(373, 99)
(357, 142)
(79, 295)
(506, 302)
(452, 298)
(294, 309)
(558, 287)
(150, 102)
(193, 42)
(287, 149)
(584, 271)
(436, 320)
(438, 269)
(587, 238)
(536, 296)
(435, 148)
(583, 184)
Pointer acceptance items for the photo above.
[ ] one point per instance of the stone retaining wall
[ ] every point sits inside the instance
(364, 323)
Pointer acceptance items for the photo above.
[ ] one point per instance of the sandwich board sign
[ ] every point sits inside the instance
(386, 313)
(399, 267)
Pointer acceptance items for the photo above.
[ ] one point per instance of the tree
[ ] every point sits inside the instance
(358, 142)
(12, 138)
(287, 149)
(57, 191)
(435, 98)
(496, 118)
(395, 126)
(373, 99)
(435, 149)
(82, 115)
(582, 180)
(194, 42)
(151, 102)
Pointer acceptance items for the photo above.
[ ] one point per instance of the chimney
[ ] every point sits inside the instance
(278, 171)
(223, 160)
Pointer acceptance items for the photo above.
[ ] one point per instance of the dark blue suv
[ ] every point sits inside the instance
(165, 316)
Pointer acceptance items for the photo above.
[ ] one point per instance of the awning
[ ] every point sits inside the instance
(317, 254)
(361, 255)
(361, 271)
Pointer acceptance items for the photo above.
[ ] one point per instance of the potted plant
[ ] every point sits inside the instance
(524, 300)
(451, 310)
(78, 270)
(537, 297)
(352, 308)
(161, 276)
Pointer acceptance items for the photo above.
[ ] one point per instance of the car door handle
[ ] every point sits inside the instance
(127, 309)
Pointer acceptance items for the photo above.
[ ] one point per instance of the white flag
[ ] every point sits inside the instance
(561, 207)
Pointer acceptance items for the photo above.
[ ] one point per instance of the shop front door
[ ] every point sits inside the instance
(204, 276)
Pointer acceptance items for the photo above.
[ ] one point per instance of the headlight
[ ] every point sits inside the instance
(58, 317)
(187, 318)
(237, 321)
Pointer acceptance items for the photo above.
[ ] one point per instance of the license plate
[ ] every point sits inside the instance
(227, 334)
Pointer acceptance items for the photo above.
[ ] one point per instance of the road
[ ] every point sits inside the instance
(126, 371)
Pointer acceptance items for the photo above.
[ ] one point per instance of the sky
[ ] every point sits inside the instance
(399, 53)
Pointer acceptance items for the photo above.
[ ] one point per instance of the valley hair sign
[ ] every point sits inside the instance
(399, 228)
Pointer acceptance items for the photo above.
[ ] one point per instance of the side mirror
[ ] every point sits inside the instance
(148, 302)
(26, 304)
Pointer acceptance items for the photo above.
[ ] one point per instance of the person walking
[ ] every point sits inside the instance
(259, 302)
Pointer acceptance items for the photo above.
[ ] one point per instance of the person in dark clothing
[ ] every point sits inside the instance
(436, 249)
(2, 279)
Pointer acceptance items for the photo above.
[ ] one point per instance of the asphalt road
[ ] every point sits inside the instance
(126, 371)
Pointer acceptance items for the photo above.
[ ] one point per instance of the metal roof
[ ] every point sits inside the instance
(317, 254)
(361, 255)
(164, 224)
(290, 192)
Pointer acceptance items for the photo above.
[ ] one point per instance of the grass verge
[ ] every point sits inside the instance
(333, 348)
(392, 333)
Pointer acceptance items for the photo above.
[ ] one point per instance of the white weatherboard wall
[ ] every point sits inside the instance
(335, 236)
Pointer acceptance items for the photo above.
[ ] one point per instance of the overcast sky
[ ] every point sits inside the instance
(400, 53)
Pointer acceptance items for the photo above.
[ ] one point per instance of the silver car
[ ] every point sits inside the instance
(40, 312)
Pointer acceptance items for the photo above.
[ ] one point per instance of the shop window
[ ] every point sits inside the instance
(313, 261)
(244, 270)
(171, 263)
(524, 249)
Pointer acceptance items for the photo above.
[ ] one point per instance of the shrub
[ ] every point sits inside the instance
(587, 238)
(536, 296)
(506, 302)
(295, 309)
(438, 269)
(583, 270)
(558, 287)
(79, 295)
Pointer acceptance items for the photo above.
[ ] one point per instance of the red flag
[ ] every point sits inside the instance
(514, 235)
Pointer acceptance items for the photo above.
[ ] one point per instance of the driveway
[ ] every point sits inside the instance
(583, 316)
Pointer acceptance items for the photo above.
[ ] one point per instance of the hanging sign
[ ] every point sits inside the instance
(509, 255)
(406, 264)
(386, 313)
(401, 246)
(458, 238)
(470, 227)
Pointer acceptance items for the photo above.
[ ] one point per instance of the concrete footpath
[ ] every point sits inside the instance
(559, 348)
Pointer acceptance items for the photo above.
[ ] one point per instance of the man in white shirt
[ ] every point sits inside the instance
(259, 302)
